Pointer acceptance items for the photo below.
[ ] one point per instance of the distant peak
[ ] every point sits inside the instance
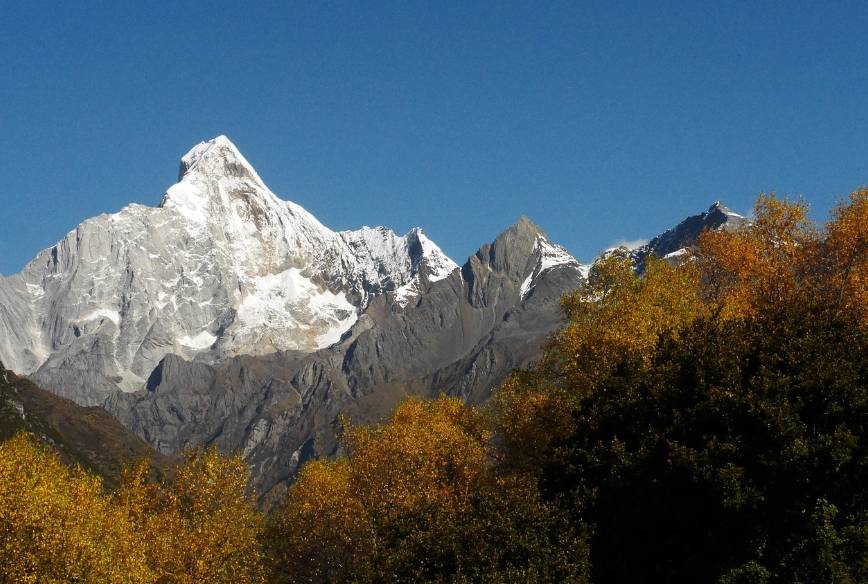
(418, 234)
(717, 206)
(217, 156)
(524, 224)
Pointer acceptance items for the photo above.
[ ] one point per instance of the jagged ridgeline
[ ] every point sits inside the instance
(228, 316)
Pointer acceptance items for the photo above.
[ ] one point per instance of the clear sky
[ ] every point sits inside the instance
(600, 121)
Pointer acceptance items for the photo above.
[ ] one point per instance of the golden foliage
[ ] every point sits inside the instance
(430, 453)
(316, 536)
(782, 257)
(202, 526)
(620, 317)
(56, 525)
(745, 271)
(617, 314)
(414, 500)
(846, 256)
(428, 456)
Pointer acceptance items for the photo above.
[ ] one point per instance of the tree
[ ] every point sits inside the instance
(57, 525)
(414, 500)
(202, 526)
(715, 455)
(707, 422)
(618, 317)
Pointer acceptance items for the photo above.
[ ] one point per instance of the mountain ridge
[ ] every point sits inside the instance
(228, 316)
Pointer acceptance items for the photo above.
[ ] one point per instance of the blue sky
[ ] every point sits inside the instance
(601, 121)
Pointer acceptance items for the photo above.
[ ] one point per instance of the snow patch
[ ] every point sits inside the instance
(187, 200)
(551, 255)
(405, 293)
(35, 290)
(676, 254)
(439, 264)
(290, 299)
(199, 342)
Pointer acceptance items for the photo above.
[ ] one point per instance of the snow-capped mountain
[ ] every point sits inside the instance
(549, 255)
(221, 267)
(226, 315)
(676, 244)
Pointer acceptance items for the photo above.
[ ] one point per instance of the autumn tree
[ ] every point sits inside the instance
(843, 258)
(708, 425)
(414, 500)
(714, 456)
(761, 264)
(203, 525)
(57, 525)
(617, 317)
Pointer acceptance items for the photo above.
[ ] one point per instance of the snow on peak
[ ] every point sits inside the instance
(212, 174)
(438, 263)
(550, 255)
(218, 156)
(424, 254)
(719, 206)
(221, 266)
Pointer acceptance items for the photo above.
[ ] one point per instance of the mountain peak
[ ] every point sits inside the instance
(686, 233)
(212, 174)
(217, 157)
(525, 222)
(718, 207)
(523, 228)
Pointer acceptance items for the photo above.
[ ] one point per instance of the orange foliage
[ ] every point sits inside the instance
(846, 256)
(58, 525)
(617, 314)
(415, 500)
(428, 456)
(781, 257)
(745, 271)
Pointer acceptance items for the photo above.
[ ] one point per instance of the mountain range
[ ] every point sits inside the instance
(228, 316)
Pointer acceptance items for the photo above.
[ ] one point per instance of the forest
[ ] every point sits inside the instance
(699, 422)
